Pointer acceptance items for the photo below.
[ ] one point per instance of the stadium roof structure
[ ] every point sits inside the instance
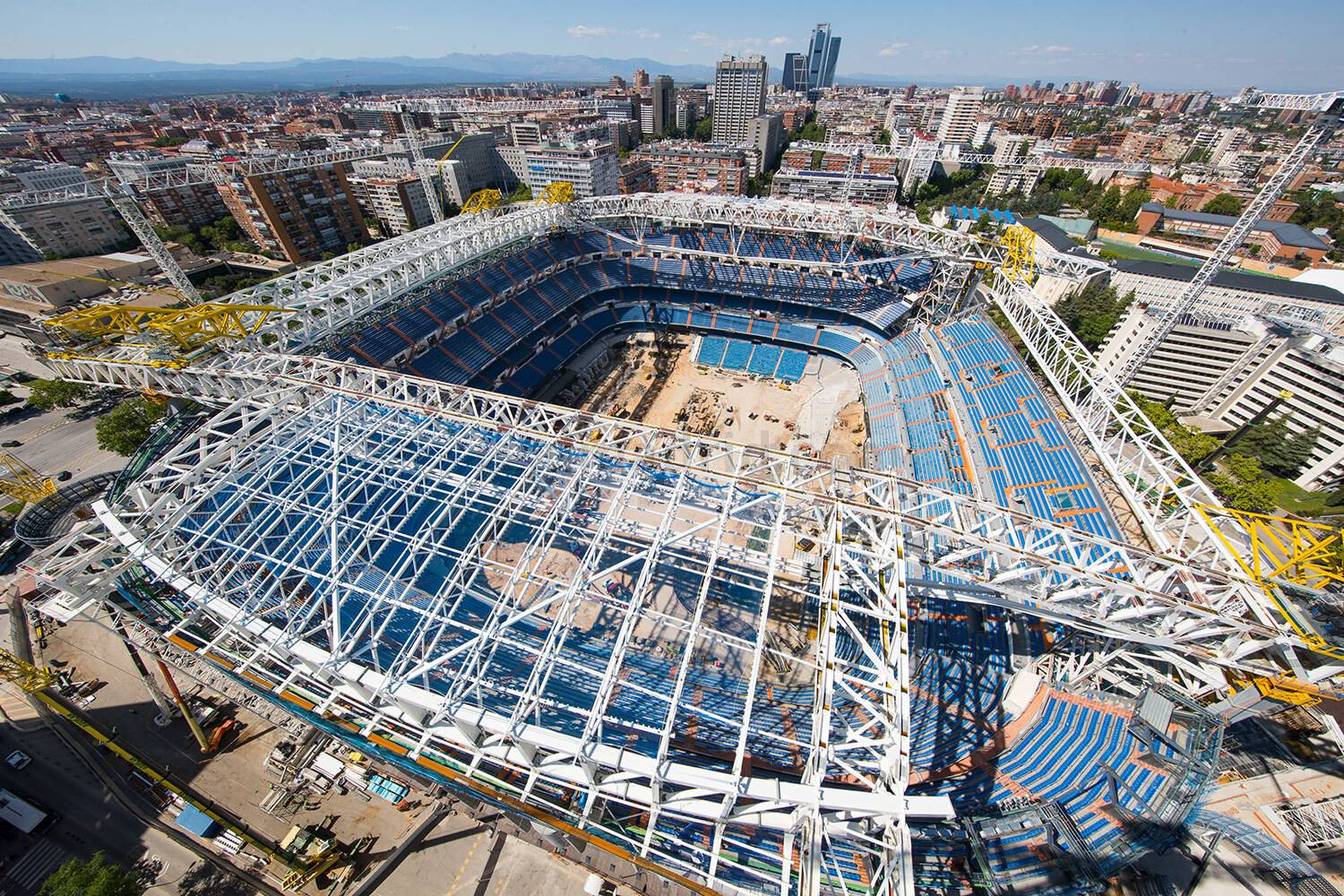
(485, 582)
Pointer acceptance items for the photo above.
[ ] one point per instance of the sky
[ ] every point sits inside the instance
(1165, 44)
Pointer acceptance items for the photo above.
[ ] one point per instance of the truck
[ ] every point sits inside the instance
(20, 813)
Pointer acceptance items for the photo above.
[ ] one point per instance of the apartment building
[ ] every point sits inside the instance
(305, 214)
(961, 115)
(739, 96)
(391, 193)
(60, 230)
(686, 166)
(854, 188)
(592, 166)
(189, 206)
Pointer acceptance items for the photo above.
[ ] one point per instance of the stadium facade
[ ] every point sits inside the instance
(996, 654)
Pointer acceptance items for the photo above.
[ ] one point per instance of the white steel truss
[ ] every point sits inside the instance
(504, 107)
(1185, 614)
(926, 151)
(275, 524)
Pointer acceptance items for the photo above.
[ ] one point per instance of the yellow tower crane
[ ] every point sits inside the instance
(1019, 264)
(483, 201)
(22, 482)
(557, 192)
(189, 327)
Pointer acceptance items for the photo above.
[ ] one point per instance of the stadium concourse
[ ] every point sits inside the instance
(731, 673)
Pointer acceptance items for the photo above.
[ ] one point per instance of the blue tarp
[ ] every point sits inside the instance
(196, 821)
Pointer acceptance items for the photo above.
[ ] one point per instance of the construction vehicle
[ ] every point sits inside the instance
(38, 682)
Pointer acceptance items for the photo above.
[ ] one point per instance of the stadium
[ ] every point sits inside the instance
(735, 536)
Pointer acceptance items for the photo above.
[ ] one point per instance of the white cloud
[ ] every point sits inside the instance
(892, 49)
(401, 27)
(778, 41)
(1045, 50)
(734, 44)
(587, 31)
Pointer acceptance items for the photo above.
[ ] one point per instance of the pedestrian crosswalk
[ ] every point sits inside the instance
(26, 875)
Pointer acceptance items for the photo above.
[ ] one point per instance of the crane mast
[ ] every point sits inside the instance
(423, 167)
(1329, 106)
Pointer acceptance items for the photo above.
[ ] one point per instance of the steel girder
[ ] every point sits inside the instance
(939, 152)
(1186, 612)
(513, 107)
(861, 696)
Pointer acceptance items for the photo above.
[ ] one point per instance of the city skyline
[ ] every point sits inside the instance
(1195, 46)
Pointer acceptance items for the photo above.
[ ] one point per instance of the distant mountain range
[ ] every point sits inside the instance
(107, 77)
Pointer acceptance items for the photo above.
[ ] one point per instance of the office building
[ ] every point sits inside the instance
(474, 164)
(822, 53)
(641, 79)
(1222, 370)
(663, 103)
(304, 214)
(961, 114)
(191, 206)
(739, 96)
(795, 72)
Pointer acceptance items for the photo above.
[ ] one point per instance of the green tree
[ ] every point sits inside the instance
(48, 394)
(1243, 486)
(704, 129)
(94, 877)
(812, 131)
(1223, 204)
(1280, 450)
(884, 137)
(124, 428)
(521, 193)
(1092, 311)
(1108, 205)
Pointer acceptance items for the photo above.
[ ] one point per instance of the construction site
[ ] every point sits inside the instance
(706, 545)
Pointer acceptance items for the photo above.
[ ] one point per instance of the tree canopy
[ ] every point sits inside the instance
(1318, 208)
(92, 877)
(812, 131)
(124, 428)
(47, 394)
(1223, 204)
(1092, 311)
(1278, 449)
(704, 129)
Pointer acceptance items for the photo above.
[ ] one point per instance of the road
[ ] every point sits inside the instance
(88, 817)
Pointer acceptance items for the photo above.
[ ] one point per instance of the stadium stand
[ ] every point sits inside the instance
(951, 405)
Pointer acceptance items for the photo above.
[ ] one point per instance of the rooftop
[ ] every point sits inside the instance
(1270, 286)
(1288, 234)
